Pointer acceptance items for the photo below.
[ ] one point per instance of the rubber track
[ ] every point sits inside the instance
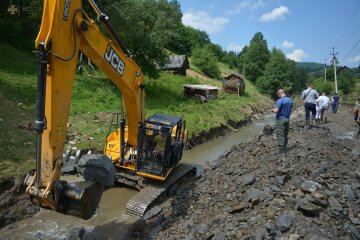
(139, 203)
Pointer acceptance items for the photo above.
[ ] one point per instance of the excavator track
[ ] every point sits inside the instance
(139, 203)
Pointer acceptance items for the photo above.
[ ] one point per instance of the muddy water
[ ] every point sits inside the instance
(51, 225)
(212, 150)
(109, 222)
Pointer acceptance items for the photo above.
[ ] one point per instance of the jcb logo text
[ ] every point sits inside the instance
(114, 60)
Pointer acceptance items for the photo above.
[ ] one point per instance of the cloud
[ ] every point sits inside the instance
(252, 5)
(234, 47)
(287, 44)
(355, 59)
(203, 21)
(297, 55)
(275, 14)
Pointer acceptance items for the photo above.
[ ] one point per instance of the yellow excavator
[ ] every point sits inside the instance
(149, 148)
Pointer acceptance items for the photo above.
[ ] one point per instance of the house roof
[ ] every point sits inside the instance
(175, 61)
(237, 75)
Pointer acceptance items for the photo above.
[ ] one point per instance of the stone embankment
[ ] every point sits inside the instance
(252, 192)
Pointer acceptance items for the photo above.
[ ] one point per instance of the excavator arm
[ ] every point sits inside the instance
(65, 30)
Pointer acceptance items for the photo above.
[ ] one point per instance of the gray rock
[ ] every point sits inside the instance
(154, 231)
(268, 130)
(260, 233)
(310, 210)
(188, 224)
(77, 233)
(334, 204)
(348, 192)
(297, 181)
(320, 170)
(281, 179)
(97, 168)
(310, 186)
(153, 212)
(238, 208)
(355, 234)
(312, 235)
(254, 194)
(220, 236)
(249, 180)
(355, 221)
(284, 222)
(275, 188)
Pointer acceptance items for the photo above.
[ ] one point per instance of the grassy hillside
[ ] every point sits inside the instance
(93, 101)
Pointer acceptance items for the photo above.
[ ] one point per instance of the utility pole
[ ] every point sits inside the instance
(325, 70)
(334, 61)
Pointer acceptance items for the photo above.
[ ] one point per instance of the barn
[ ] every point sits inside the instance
(234, 83)
(177, 64)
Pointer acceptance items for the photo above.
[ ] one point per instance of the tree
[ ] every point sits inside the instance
(255, 57)
(243, 60)
(206, 62)
(146, 27)
(279, 73)
(231, 58)
(346, 81)
(216, 50)
(188, 38)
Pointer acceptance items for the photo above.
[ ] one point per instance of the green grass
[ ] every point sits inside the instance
(93, 101)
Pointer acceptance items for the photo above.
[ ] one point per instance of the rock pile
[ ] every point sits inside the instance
(311, 192)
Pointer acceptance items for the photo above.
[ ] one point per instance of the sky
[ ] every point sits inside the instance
(305, 30)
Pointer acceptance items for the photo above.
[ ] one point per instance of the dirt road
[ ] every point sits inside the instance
(312, 192)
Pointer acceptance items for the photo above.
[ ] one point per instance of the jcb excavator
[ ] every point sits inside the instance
(148, 148)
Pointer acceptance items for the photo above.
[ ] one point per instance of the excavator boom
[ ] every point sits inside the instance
(65, 30)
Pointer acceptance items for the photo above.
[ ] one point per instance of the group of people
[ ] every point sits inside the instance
(318, 105)
(314, 104)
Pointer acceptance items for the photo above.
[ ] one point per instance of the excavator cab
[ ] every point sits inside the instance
(161, 142)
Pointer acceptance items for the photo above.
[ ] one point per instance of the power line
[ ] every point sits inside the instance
(351, 49)
(348, 24)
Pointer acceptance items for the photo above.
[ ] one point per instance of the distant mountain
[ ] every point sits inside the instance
(311, 67)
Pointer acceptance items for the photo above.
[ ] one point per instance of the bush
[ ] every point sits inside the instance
(206, 62)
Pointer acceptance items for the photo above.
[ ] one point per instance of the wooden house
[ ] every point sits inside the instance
(177, 64)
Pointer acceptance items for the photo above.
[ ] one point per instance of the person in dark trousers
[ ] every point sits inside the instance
(283, 108)
(309, 96)
(357, 116)
(335, 102)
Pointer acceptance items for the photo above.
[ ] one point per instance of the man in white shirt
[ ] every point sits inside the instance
(324, 106)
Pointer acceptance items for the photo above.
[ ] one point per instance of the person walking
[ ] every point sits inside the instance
(309, 96)
(324, 107)
(357, 116)
(319, 103)
(335, 102)
(283, 108)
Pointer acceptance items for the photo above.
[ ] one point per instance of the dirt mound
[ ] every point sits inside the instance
(14, 202)
(252, 192)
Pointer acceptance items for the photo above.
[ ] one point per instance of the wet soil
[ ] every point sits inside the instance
(254, 192)
(14, 203)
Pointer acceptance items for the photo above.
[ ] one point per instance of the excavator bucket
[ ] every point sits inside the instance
(77, 196)
(81, 198)
(78, 199)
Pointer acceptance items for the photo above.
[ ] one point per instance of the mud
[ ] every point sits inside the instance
(14, 203)
(253, 192)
